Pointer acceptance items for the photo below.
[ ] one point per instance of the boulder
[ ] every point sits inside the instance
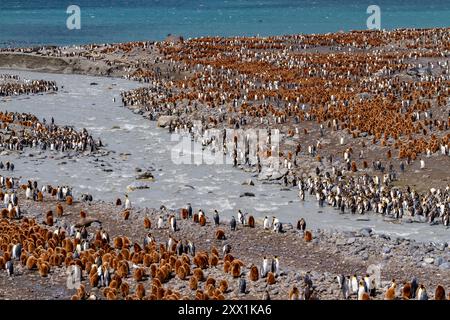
(137, 186)
(439, 245)
(438, 261)
(147, 175)
(429, 260)
(247, 194)
(268, 173)
(164, 121)
(248, 182)
(445, 266)
(366, 232)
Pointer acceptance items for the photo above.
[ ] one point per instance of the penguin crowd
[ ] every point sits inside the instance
(366, 288)
(358, 195)
(8, 166)
(11, 85)
(109, 263)
(360, 101)
(22, 130)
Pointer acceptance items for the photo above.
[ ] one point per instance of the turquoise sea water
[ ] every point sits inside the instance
(33, 22)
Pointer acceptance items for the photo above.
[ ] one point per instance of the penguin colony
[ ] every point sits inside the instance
(357, 101)
(121, 268)
(42, 135)
(13, 85)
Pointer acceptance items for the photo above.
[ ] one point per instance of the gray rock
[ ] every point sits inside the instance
(438, 261)
(351, 240)
(349, 233)
(274, 291)
(419, 219)
(137, 186)
(147, 175)
(386, 250)
(288, 226)
(164, 121)
(248, 182)
(341, 242)
(440, 246)
(366, 232)
(383, 236)
(429, 260)
(268, 173)
(247, 194)
(445, 266)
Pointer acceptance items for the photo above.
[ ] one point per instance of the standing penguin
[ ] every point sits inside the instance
(414, 286)
(422, 293)
(14, 199)
(148, 239)
(266, 223)
(301, 225)
(28, 193)
(179, 249)
(173, 223)
(241, 217)
(6, 199)
(16, 251)
(233, 224)
(277, 226)
(354, 284)
(275, 266)
(361, 290)
(160, 222)
(242, 285)
(344, 285)
(189, 208)
(127, 203)
(446, 220)
(367, 283)
(191, 248)
(9, 268)
(265, 268)
(226, 249)
(216, 218)
(422, 164)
